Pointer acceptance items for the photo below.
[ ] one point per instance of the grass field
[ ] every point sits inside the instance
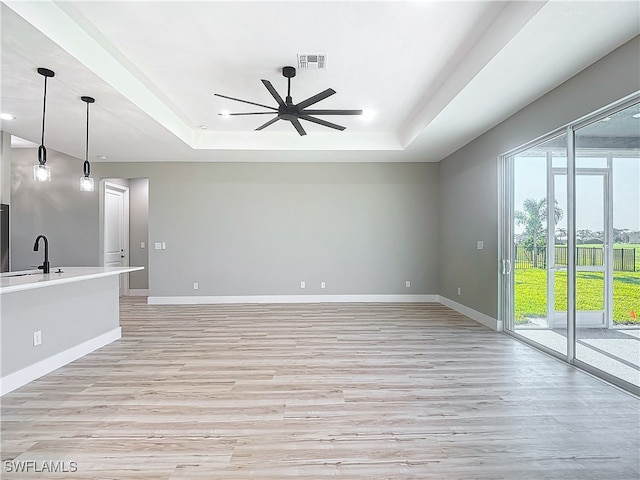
(531, 292)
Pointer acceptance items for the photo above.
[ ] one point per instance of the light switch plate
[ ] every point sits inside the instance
(158, 245)
(479, 244)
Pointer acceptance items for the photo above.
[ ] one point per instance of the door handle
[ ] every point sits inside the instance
(506, 263)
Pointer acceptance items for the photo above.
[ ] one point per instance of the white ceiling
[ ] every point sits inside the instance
(436, 73)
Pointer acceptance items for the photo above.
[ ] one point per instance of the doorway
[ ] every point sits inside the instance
(570, 210)
(593, 277)
(115, 229)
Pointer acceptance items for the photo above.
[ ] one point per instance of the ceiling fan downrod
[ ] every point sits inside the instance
(288, 73)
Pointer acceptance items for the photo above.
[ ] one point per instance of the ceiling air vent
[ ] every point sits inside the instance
(307, 61)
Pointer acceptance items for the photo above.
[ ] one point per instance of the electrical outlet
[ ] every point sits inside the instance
(303, 285)
(323, 285)
(195, 285)
(158, 245)
(37, 338)
(459, 291)
(407, 284)
(480, 245)
(164, 246)
(143, 245)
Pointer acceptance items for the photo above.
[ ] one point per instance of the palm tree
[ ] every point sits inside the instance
(533, 217)
(561, 235)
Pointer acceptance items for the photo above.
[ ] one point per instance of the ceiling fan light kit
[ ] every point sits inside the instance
(291, 112)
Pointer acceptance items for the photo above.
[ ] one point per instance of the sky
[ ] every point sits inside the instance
(530, 182)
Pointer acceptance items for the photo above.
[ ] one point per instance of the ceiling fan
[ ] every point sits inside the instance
(291, 112)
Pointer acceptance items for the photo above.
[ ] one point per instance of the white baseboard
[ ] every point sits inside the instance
(479, 317)
(10, 382)
(138, 292)
(194, 300)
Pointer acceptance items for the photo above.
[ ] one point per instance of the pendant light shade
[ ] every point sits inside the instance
(86, 181)
(41, 171)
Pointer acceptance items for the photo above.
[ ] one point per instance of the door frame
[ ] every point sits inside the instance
(506, 211)
(103, 187)
(607, 252)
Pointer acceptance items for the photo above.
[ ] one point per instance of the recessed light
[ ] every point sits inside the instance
(637, 115)
(368, 115)
(224, 114)
(7, 116)
(203, 126)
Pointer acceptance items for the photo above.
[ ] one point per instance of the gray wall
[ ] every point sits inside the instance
(468, 178)
(138, 231)
(260, 229)
(66, 314)
(5, 168)
(58, 210)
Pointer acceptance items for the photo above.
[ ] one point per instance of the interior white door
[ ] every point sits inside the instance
(116, 230)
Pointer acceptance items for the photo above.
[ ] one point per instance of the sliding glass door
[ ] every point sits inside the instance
(538, 222)
(570, 218)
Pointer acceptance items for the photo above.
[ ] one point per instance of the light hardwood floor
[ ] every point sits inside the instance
(356, 391)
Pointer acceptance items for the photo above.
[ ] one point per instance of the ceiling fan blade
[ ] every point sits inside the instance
(273, 92)
(316, 98)
(249, 113)
(296, 123)
(245, 101)
(332, 112)
(322, 122)
(265, 125)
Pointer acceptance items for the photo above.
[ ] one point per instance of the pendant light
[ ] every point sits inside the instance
(86, 181)
(42, 172)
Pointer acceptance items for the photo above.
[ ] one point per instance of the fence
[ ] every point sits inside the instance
(624, 259)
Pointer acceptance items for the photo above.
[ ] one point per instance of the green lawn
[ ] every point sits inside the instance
(531, 293)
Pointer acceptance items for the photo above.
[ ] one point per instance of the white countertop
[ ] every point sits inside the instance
(30, 279)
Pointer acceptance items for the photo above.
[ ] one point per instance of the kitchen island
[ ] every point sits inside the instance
(49, 320)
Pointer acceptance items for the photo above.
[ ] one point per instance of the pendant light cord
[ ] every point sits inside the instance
(44, 108)
(42, 150)
(86, 166)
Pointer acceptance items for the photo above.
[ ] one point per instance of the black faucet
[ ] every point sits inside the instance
(45, 266)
